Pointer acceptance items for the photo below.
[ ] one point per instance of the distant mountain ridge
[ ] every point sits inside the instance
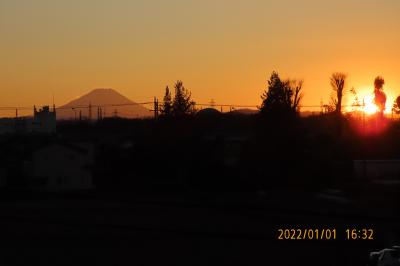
(112, 103)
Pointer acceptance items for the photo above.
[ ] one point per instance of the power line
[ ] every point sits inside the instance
(5, 108)
(14, 108)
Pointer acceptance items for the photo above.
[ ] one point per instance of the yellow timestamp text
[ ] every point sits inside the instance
(307, 234)
(360, 234)
(325, 234)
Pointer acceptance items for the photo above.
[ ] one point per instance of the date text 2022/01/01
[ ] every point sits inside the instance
(325, 234)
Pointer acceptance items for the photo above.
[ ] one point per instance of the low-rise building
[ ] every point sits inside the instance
(61, 166)
(43, 121)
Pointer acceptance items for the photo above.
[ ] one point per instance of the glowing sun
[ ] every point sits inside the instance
(369, 105)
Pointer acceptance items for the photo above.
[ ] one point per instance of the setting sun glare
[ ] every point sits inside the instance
(366, 102)
(369, 105)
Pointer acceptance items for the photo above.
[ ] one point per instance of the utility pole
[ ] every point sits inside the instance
(16, 113)
(90, 111)
(212, 103)
(80, 115)
(155, 108)
(322, 106)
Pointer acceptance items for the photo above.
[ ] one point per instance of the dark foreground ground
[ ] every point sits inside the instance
(194, 217)
(165, 230)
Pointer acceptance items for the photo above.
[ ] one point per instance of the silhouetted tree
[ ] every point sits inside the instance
(328, 108)
(295, 86)
(380, 96)
(396, 105)
(338, 82)
(379, 82)
(166, 110)
(182, 104)
(273, 97)
(356, 102)
(281, 96)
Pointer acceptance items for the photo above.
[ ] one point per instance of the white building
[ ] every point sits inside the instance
(61, 166)
(43, 121)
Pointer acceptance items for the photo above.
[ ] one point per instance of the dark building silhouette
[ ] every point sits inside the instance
(43, 121)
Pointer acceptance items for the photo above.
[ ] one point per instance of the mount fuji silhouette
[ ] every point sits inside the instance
(111, 102)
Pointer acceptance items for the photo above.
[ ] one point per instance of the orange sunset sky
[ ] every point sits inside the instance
(222, 49)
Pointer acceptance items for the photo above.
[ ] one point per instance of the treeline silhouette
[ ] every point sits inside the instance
(214, 178)
(213, 152)
(224, 153)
